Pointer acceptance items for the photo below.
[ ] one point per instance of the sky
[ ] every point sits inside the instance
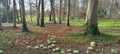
(47, 4)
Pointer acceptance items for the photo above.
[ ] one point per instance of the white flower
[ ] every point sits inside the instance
(69, 50)
(90, 48)
(36, 47)
(113, 51)
(1, 51)
(53, 46)
(62, 52)
(28, 46)
(57, 49)
(76, 52)
(44, 48)
(92, 44)
(41, 46)
(54, 42)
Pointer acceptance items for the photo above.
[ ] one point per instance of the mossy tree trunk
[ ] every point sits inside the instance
(24, 25)
(91, 19)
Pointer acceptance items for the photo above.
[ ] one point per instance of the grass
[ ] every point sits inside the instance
(109, 32)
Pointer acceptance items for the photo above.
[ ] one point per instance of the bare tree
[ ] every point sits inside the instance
(8, 9)
(38, 12)
(52, 13)
(0, 21)
(14, 12)
(30, 3)
(42, 16)
(24, 25)
(60, 11)
(68, 13)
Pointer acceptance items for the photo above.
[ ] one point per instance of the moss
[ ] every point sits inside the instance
(92, 30)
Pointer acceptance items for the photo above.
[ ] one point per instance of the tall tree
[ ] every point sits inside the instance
(0, 15)
(68, 14)
(30, 3)
(50, 19)
(52, 13)
(42, 17)
(20, 10)
(60, 11)
(8, 9)
(38, 12)
(14, 12)
(91, 18)
(64, 9)
(0, 19)
(24, 25)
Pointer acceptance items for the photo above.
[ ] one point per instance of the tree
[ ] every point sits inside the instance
(60, 11)
(0, 20)
(38, 12)
(14, 12)
(52, 13)
(20, 10)
(68, 13)
(8, 9)
(91, 18)
(64, 9)
(30, 3)
(42, 17)
(24, 25)
(0, 15)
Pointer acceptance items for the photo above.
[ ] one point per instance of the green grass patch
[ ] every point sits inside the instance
(78, 37)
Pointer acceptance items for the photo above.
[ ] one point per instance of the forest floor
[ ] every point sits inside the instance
(13, 41)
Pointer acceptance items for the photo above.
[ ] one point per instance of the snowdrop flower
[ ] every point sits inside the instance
(92, 44)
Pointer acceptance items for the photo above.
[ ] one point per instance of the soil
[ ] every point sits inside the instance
(40, 35)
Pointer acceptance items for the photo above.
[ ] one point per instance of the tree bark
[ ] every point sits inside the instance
(60, 11)
(20, 11)
(64, 9)
(0, 21)
(30, 10)
(14, 13)
(42, 17)
(38, 12)
(50, 17)
(52, 13)
(24, 25)
(68, 13)
(91, 18)
(7, 10)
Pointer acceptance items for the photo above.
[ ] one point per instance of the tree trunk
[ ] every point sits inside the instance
(68, 13)
(0, 21)
(7, 10)
(60, 11)
(24, 25)
(50, 17)
(74, 9)
(20, 11)
(42, 17)
(30, 10)
(64, 9)
(14, 13)
(91, 18)
(38, 12)
(52, 13)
